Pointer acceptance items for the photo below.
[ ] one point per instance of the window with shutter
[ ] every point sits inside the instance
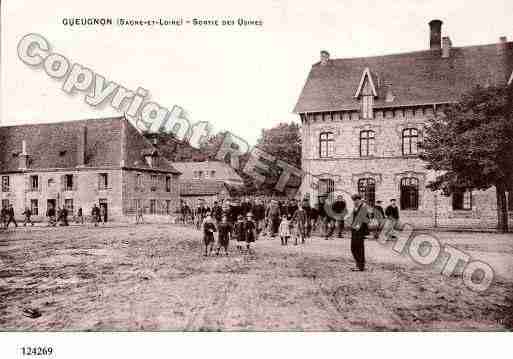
(5, 184)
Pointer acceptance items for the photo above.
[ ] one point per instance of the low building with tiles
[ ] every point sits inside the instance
(363, 120)
(207, 181)
(206, 191)
(77, 164)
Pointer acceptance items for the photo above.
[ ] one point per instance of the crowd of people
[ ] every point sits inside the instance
(54, 216)
(245, 220)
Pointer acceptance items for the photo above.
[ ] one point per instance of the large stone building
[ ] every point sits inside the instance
(76, 164)
(363, 118)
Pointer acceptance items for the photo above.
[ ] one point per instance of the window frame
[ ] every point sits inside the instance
(412, 201)
(367, 107)
(407, 141)
(6, 184)
(464, 198)
(103, 181)
(329, 188)
(34, 208)
(70, 208)
(168, 183)
(67, 179)
(326, 144)
(367, 141)
(367, 189)
(32, 187)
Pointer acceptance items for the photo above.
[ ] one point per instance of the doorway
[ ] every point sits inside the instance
(103, 203)
(51, 203)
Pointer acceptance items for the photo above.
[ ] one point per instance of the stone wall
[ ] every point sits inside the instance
(386, 166)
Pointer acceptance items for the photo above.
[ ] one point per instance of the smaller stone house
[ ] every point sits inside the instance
(77, 164)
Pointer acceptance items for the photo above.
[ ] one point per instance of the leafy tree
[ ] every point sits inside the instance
(472, 145)
(282, 141)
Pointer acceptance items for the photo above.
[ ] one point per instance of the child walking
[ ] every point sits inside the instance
(224, 233)
(249, 231)
(284, 230)
(238, 232)
(208, 234)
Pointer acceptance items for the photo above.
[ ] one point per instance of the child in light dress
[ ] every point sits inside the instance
(284, 230)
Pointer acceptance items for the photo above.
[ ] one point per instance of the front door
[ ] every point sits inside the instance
(103, 203)
(51, 203)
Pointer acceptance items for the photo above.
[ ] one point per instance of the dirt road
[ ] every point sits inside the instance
(153, 277)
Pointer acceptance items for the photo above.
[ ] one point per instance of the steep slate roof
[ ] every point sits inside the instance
(56, 145)
(202, 187)
(223, 170)
(421, 77)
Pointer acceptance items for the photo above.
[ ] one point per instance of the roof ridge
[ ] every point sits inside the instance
(426, 51)
(65, 122)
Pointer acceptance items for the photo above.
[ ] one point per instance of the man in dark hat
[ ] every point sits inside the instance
(359, 229)
(392, 215)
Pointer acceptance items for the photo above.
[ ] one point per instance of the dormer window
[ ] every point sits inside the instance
(366, 92)
(367, 106)
(151, 157)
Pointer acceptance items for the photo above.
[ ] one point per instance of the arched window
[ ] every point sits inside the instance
(326, 189)
(410, 141)
(367, 189)
(462, 200)
(326, 144)
(409, 193)
(366, 143)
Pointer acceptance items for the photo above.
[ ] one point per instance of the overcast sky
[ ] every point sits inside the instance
(240, 79)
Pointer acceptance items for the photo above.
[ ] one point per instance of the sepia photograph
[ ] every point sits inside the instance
(177, 168)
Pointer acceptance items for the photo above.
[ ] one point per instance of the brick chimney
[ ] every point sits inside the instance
(325, 57)
(446, 47)
(82, 146)
(23, 156)
(501, 45)
(435, 35)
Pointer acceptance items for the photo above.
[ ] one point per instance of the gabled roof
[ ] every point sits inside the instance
(366, 76)
(223, 171)
(56, 145)
(202, 188)
(414, 78)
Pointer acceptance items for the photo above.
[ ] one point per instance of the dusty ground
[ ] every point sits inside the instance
(153, 277)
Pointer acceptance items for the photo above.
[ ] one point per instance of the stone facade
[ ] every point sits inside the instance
(81, 163)
(386, 166)
(363, 120)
